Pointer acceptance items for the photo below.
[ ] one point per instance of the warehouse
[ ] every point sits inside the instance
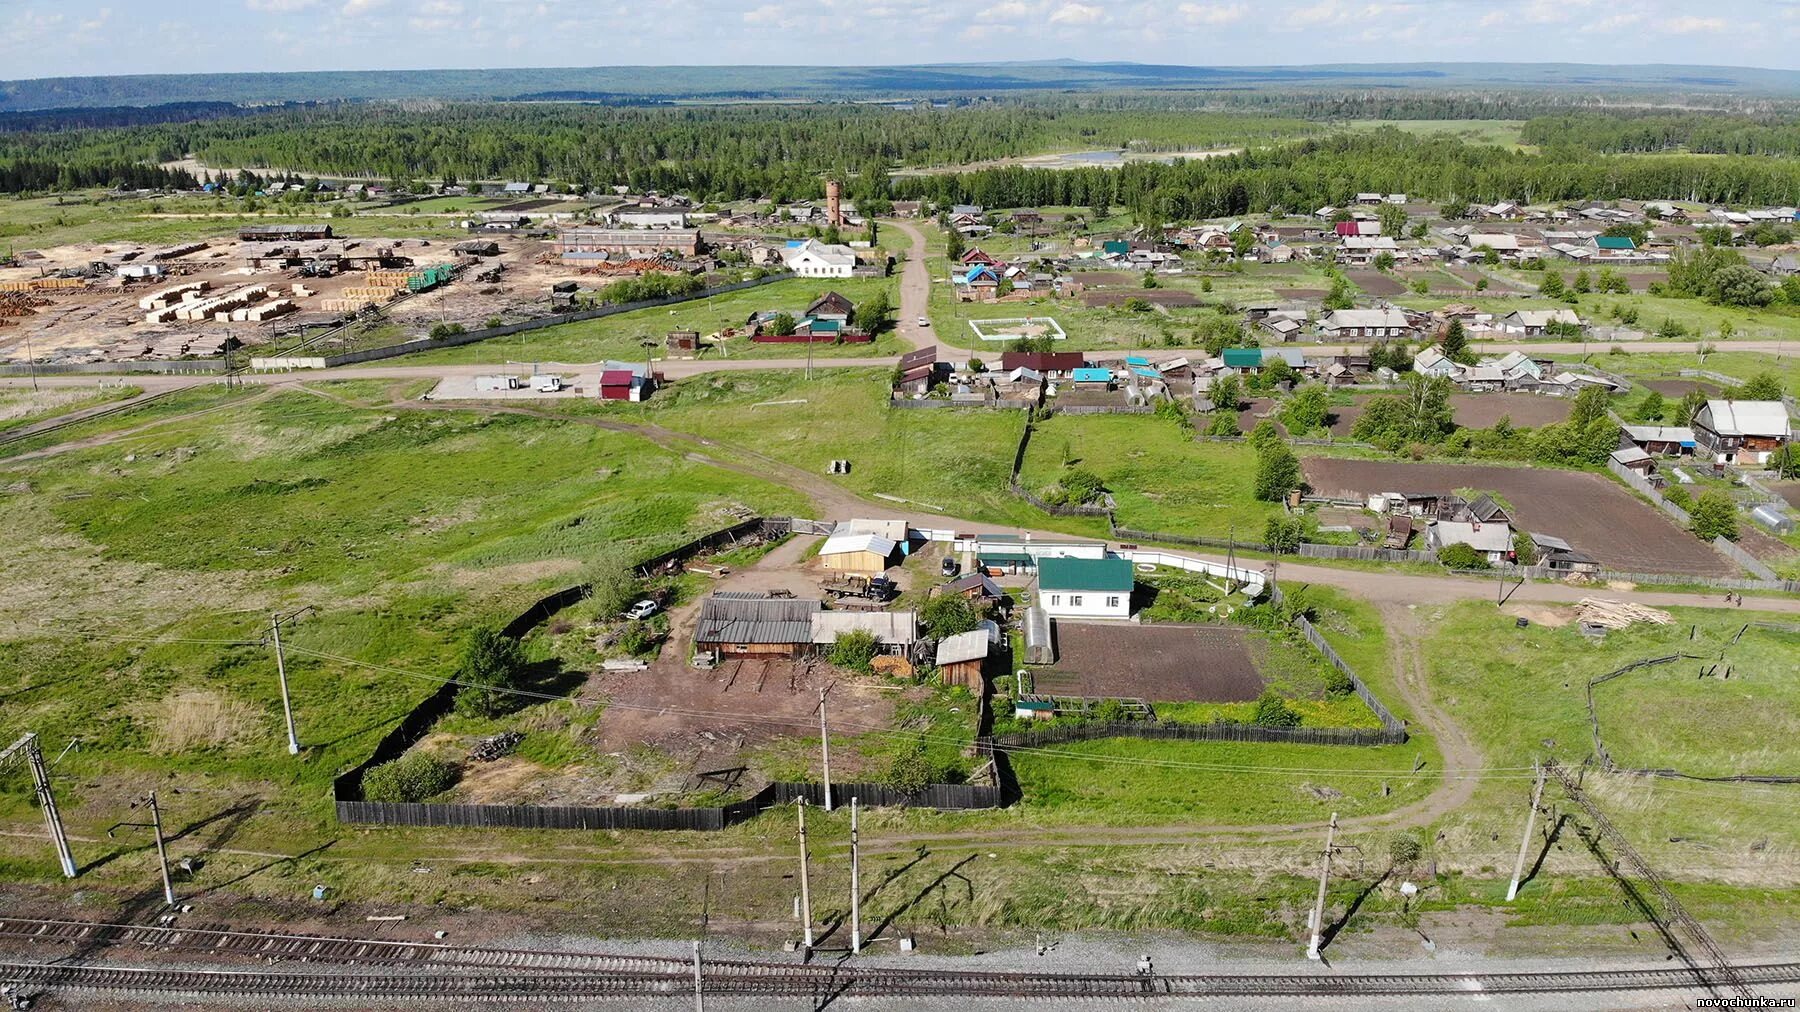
(628, 242)
(753, 625)
(282, 233)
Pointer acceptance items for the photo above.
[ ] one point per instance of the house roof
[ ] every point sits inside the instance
(754, 619)
(970, 582)
(1660, 434)
(1748, 418)
(893, 530)
(898, 628)
(845, 544)
(1099, 575)
(1242, 358)
(969, 646)
(1339, 319)
(1090, 374)
(1614, 242)
(1495, 537)
(1543, 317)
(1486, 507)
(1629, 455)
(616, 378)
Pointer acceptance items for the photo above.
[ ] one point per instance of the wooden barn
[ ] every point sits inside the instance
(960, 659)
(753, 625)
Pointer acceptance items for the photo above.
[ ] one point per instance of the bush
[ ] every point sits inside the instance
(1337, 683)
(439, 331)
(492, 665)
(1111, 711)
(1714, 515)
(910, 770)
(1082, 485)
(1678, 496)
(1461, 557)
(638, 637)
(409, 778)
(612, 585)
(1273, 711)
(1404, 849)
(949, 614)
(854, 650)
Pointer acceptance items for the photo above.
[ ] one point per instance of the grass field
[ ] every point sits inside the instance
(20, 406)
(1502, 132)
(96, 217)
(140, 572)
(1521, 694)
(622, 336)
(1161, 479)
(954, 459)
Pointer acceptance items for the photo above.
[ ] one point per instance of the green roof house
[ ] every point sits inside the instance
(1243, 359)
(1085, 588)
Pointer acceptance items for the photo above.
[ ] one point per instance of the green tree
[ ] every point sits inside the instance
(492, 666)
(1456, 343)
(1552, 285)
(1714, 515)
(1393, 220)
(1341, 295)
(1652, 408)
(1307, 409)
(1740, 285)
(1225, 393)
(1283, 534)
(871, 316)
(1764, 386)
(781, 325)
(1265, 436)
(1583, 284)
(1384, 261)
(953, 245)
(910, 769)
(612, 584)
(1785, 462)
(948, 614)
(1277, 473)
(1524, 549)
(1243, 242)
(1590, 404)
(1150, 279)
(1691, 403)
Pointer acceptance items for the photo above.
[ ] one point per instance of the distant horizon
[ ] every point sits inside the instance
(53, 39)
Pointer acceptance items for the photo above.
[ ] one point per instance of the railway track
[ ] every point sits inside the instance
(438, 970)
(797, 981)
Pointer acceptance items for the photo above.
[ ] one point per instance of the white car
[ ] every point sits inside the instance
(923, 322)
(641, 610)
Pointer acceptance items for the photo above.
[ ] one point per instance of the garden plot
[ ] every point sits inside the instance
(1588, 511)
(1165, 663)
(1015, 328)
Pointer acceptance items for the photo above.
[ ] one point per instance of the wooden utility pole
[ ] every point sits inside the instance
(805, 889)
(1318, 911)
(825, 749)
(40, 779)
(1537, 794)
(287, 706)
(855, 885)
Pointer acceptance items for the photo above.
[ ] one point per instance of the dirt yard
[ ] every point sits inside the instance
(1159, 663)
(1588, 511)
(1675, 389)
(1790, 492)
(1376, 283)
(1481, 411)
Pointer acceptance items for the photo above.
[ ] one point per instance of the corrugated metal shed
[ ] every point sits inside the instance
(896, 628)
(731, 618)
(969, 646)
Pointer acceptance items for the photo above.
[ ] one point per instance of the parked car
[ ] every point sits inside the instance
(641, 610)
(950, 566)
(923, 322)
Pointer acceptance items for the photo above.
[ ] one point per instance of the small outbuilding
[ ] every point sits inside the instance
(960, 659)
(867, 554)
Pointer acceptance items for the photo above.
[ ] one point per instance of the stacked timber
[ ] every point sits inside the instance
(169, 296)
(43, 285)
(1618, 614)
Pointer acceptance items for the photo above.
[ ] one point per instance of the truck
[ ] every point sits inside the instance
(546, 384)
(871, 588)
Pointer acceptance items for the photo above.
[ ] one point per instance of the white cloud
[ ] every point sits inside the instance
(362, 8)
(280, 6)
(1212, 14)
(767, 14)
(1076, 14)
(1690, 25)
(1616, 22)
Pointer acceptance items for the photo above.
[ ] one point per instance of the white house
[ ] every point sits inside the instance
(1533, 322)
(815, 259)
(1085, 588)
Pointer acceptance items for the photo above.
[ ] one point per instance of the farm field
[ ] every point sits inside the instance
(1165, 663)
(140, 572)
(1161, 479)
(1589, 511)
(622, 336)
(20, 406)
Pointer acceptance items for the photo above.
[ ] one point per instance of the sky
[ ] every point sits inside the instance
(58, 38)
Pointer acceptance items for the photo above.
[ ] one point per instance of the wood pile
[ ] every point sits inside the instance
(43, 285)
(371, 293)
(891, 666)
(386, 279)
(1607, 614)
(20, 304)
(345, 305)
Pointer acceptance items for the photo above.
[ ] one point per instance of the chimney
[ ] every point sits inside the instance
(833, 212)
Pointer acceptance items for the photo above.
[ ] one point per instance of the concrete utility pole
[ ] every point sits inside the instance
(1537, 794)
(1318, 911)
(162, 852)
(699, 995)
(287, 706)
(855, 885)
(825, 749)
(40, 778)
(805, 889)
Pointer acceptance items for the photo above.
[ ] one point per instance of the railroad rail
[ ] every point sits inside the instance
(440, 970)
(852, 981)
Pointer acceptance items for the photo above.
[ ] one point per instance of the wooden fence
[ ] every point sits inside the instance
(1606, 759)
(1649, 491)
(944, 797)
(1198, 541)
(1364, 552)
(1750, 562)
(1090, 730)
(1389, 722)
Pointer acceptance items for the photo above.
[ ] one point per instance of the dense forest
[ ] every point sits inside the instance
(1310, 173)
(1701, 133)
(784, 151)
